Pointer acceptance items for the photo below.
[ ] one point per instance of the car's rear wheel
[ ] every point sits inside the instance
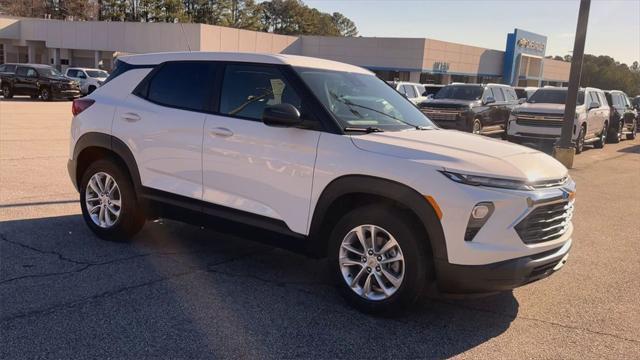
(6, 92)
(602, 139)
(45, 94)
(379, 259)
(109, 202)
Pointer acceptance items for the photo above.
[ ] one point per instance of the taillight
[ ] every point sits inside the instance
(80, 105)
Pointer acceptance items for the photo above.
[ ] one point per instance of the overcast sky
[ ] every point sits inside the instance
(614, 25)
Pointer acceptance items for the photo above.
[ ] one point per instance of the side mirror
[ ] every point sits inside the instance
(489, 100)
(593, 105)
(281, 115)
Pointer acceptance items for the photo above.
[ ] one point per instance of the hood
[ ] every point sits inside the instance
(465, 153)
(541, 108)
(61, 78)
(447, 102)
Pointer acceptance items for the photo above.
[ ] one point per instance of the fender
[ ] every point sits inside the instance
(369, 185)
(111, 143)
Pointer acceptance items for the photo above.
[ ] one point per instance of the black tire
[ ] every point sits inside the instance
(131, 218)
(34, 97)
(615, 135)
(476, 126)
(91, 89)
(580, 140)
(6, 91)
(599, 144)
(45, 94)
(417, 261)
(634, 131)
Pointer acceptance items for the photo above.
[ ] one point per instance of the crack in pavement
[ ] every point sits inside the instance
(105, 294)
(548, 322)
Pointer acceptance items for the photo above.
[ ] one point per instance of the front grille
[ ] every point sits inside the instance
(545, 223)
(441, 114)
(539, 120)
(545, 184)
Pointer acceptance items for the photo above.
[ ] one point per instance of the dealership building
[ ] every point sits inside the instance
(98, 43)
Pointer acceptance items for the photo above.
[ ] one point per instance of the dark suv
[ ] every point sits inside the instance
(623, 117)
(476, 108)
(37, 80)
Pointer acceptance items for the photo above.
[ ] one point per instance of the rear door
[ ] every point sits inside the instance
(493, 114)
(593, 115)
(248, 166)
(162, 124)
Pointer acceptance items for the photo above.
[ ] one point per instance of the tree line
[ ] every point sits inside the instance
(604, 72)
(288, 17)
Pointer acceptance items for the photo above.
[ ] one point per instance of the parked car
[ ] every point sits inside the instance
(328, 158)
(525, 92)
(635, 102)
(540, 118)
(89, 79)
(412, 91)
(37, 80)
(622, 118)
(475, 108)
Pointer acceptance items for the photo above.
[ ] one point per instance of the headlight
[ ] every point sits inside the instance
(476, 180)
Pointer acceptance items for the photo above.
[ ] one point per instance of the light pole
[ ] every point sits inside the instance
(565, 150)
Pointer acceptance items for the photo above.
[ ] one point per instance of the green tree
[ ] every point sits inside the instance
(345, 26)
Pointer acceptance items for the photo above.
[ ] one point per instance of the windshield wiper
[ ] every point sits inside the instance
(367, 130)
(351, 103)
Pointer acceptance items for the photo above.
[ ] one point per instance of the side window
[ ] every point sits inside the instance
(10, 68)
(594, 98)
(72, 73)
(402, 89)
(511, 94)
(31, 73)
(498, 94)
(627, 103)
(487, 93)
(2, 68)
(185, 85)
(421, 90)
(248, 89)
(21, 71)
(603, 100)
(81, 74)
(410, 91)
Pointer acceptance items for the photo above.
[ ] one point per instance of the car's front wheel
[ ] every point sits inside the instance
(109, 202)
(45, 94)
(379, 259)
(6, 92)
(634, 131)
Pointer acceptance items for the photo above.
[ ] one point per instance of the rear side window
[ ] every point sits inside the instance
(594, 98)
(603, 101)
(184, 85)
(248, 89)
(408, 89)
(21, 71)
(72, 73)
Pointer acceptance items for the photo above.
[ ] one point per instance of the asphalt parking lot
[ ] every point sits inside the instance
(185, 292)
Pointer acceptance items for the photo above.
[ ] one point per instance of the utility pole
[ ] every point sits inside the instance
(565, 150)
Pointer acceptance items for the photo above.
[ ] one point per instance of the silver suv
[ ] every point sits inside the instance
(540, 117)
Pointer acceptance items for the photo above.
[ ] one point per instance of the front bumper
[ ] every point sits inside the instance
(500, 276)
(66, 93)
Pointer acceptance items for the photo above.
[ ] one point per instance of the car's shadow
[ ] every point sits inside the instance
(184, 291)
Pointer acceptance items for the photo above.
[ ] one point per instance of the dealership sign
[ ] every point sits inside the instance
(530, 44)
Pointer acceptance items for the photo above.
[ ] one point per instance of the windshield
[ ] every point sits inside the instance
(97, 73)
(555, 96)
(48, 72)
(460, 92)
(363, 101)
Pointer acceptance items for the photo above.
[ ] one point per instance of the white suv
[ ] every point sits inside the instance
(413, 91)
(322, 157)
(90, 79)
(540, 118)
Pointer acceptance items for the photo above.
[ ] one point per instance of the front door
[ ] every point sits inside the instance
(248, 166)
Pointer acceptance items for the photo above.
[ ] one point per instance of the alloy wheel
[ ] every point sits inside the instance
(103, 200)
(371, 262)
(44, 94)
(477, 127)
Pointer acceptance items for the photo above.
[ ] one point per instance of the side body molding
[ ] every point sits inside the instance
(391, 190)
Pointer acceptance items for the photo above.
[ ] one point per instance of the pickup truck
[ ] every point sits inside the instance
(38, 81)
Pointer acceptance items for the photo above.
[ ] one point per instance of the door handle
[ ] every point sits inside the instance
(131, 117)
(221, 131)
